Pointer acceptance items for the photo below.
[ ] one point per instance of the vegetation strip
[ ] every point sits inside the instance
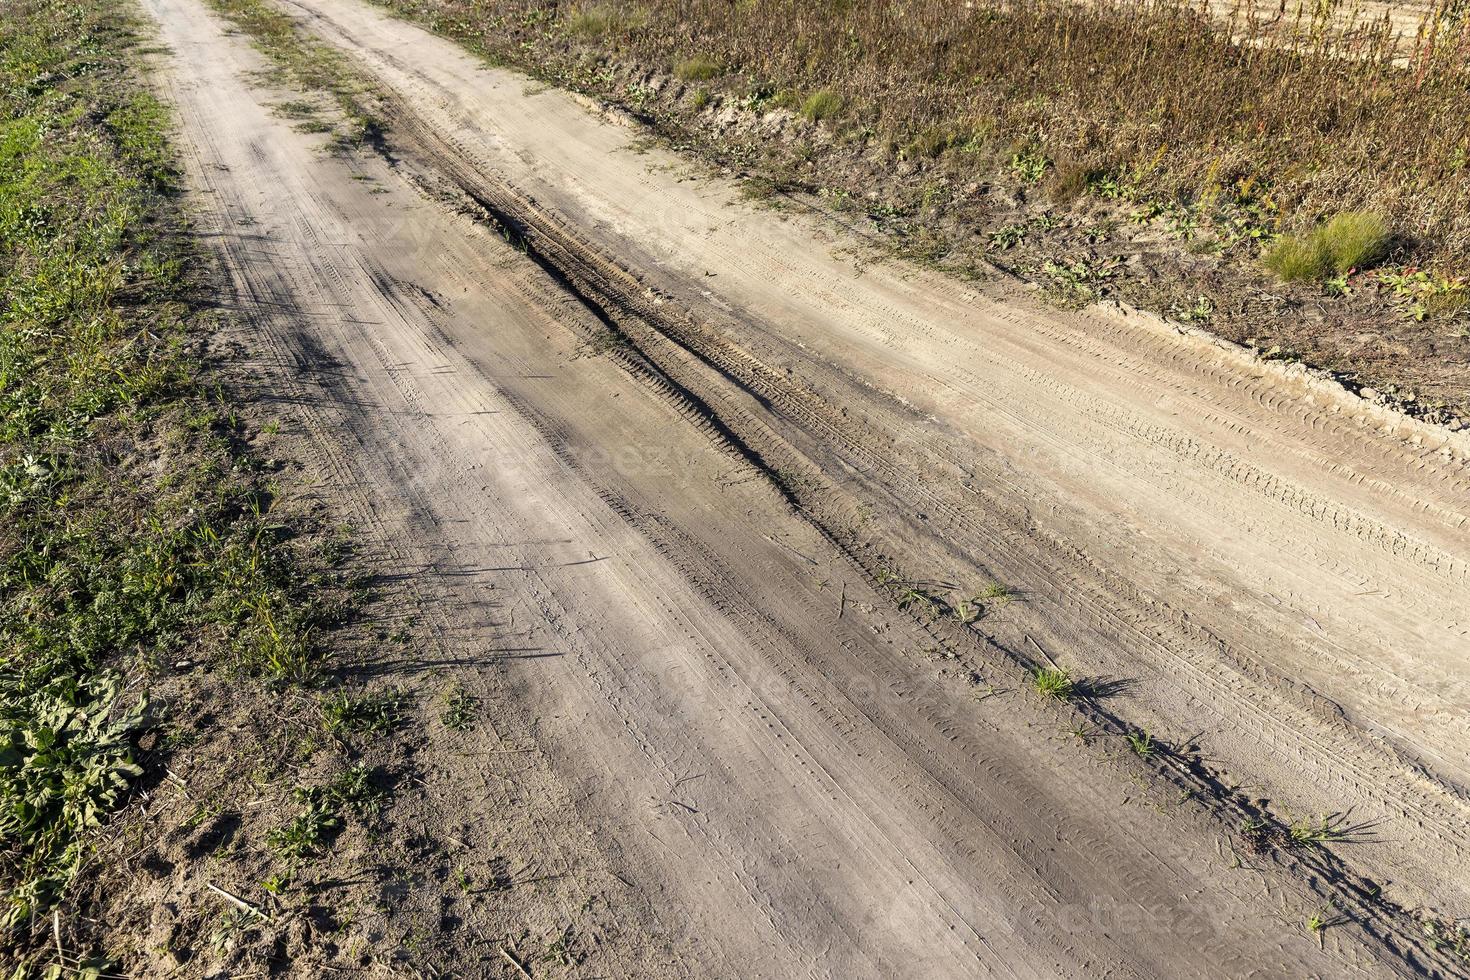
(139, 546)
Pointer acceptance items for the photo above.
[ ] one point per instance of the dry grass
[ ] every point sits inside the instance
(1162, 98)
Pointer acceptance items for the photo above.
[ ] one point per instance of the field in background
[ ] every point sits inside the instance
(1308, 115)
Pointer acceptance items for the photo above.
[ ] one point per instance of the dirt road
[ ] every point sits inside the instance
(708, 483)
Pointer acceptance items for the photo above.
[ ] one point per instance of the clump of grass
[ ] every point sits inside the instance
(1352, 240)
(996, 592)
(1053, 683)
(1357, 240)
(823, 104)
(1069, 181)
(935, 141)
(786, 98)
(697, 69)
(921, 600)
(599, 20)
(1314, 832)
(1298, 258)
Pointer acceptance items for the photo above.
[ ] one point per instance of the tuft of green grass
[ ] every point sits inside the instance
(697, 69)
(599, 20)
(1352, 240)
(1314, 832)
(996, 592)
(1053, 683)
(821, 105)
(935, 141)
(1357, 240)
(1298, 258)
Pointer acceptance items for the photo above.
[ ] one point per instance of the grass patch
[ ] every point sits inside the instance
(309, 64)
(599, 20)
(133, 532)
(1053, 683)
(1351, 241)
(1322, 830)
(697, 69)
(824, 104)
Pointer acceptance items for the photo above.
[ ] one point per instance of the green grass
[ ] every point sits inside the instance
(1351, 241)
(1357, 240)
(820, 105)
(1322, 830)
(1053, 683)
(697, 69)
(134, 533)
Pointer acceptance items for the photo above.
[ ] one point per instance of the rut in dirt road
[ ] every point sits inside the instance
(783, 773)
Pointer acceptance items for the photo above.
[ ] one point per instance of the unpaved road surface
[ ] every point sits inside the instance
(661, 465)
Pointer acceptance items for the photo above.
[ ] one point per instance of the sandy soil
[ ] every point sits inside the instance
(651, 469)
(1404, 17)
